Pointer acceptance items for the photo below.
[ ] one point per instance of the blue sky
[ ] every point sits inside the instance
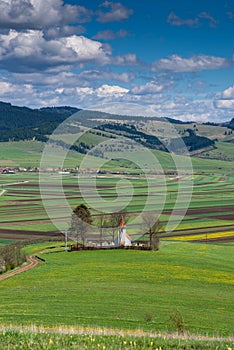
(170, 58)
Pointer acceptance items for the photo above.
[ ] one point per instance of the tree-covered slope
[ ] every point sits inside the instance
(13, 117)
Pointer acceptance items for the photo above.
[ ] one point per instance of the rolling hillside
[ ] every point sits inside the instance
(26, 124)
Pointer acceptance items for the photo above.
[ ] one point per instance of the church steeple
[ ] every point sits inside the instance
(123, 238)
(122, 223)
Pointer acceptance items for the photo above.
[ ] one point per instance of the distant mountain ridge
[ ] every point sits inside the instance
(12, 117)
(23, 123)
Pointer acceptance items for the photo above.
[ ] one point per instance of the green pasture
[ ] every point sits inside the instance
(87, 138)
(29, 153)
(223, 151)
(210, 131)
(166, 130)
(173, 162)
(22, 153)
(126, 289)
(5, 241)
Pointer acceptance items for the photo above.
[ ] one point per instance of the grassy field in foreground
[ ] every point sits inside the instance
(126, 289)
(18, 340)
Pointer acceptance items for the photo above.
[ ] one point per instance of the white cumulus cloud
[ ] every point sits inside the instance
(149, 88)
(197, 63)
(6, 88)
(38, 14)
(228, 93)
(224, 104)
(111, 90)
(117, 12)
(103, 91)
(226, 100)
(25, 51)
(129, 59)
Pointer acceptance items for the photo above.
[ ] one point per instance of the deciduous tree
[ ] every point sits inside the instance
(153, 228)
(80, 221)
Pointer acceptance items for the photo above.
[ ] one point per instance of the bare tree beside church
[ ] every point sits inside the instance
(102, 225)
(153, 228)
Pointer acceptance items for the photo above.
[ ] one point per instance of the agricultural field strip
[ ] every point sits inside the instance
(14, 183)
(201, 236)
(198, 230)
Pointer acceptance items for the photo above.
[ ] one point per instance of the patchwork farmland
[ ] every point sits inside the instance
(209, 217)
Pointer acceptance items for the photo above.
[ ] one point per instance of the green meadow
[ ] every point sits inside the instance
(126, 289)
(223, 150)
(28, 153)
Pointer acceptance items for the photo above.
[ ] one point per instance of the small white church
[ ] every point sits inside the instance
(123, 238)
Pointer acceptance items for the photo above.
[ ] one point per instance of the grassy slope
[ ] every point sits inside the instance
(165, 129)
(88, 138)
(224, 151)
(210, 131)
(126, 289)
(28, 153)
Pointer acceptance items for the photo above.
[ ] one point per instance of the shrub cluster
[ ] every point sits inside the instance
(11, 256)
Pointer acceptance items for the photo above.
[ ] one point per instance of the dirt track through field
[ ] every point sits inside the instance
(32, 263)
(2, 192)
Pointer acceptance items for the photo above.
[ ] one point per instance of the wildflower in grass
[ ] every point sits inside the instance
(151, 343)
(51, 341)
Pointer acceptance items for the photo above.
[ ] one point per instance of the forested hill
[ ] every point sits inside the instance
(23, 123)
(231, 124)
(13, 117)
